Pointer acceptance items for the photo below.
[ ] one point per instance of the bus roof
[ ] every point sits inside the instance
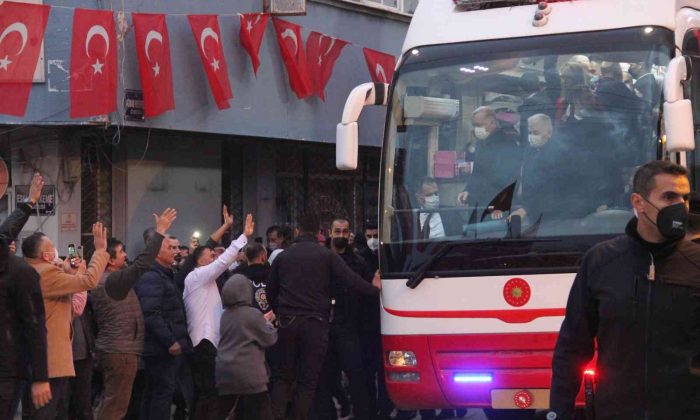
(440, 22)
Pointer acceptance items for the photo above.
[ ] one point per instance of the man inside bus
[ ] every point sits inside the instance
(634, 299)
(537, 192)
(434, 223)
(497, 162)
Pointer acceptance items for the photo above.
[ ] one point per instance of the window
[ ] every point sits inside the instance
(518, 153)
(405, 6)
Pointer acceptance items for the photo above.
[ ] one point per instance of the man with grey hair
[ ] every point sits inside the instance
(497, 162)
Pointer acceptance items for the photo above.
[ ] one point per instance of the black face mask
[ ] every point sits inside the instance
(671, 220)
(340, 243)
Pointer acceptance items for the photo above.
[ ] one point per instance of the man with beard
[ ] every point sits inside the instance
(344, 347)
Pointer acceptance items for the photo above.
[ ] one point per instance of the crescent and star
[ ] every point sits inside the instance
(379, 72)
(153, 35)
(328, 50)
(209, 33)
(289, 33)
(21, 29)
(96, 30)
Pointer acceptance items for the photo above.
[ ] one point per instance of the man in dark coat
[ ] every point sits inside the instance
(497, 161)
(166, 337)
(22, 317)
(299, 291)
(635, 297)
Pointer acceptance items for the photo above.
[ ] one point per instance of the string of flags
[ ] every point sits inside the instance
(94, 70)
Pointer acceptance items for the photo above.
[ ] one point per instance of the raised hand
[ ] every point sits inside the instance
(35, 187)
(99, 233)
(165, 220)
(228, 218)
(249, 225)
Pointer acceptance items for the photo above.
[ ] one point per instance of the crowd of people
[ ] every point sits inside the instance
(208, 332)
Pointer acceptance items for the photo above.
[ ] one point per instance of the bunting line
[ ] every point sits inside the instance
(94, 69)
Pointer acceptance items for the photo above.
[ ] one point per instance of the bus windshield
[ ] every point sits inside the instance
(533, 138)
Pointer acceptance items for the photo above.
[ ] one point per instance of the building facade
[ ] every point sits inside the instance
(269, 153)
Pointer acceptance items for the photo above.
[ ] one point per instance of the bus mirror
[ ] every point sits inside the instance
(678, 121)
(678, 111)
(346, 144)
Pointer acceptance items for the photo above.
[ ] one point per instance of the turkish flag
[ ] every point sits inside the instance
(207, 35)
(21, 32)
(381, 66)
(322, 51)
(252, 31)
(292, 50)
(153, 52)
(93, 64)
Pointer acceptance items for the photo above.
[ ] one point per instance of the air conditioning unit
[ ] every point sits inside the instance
(489, 4)
(430, 108)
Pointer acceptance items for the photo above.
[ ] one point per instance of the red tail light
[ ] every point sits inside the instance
(589, 373)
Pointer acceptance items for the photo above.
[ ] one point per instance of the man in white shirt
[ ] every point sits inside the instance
(430, 222)
(203, 307)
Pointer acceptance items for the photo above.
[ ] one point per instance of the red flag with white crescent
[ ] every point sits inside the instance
(153, 52)
(22, 29)
(380, 65)
(252, 31)
(207, 36)
(322, 51)
(93, 64)
(292, 50)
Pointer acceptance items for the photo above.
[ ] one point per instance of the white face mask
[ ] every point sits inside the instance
(373, 244)
(536, 140)
(481, 133)
(432, 202)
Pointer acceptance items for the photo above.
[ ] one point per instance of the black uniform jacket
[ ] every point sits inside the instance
(646, 325)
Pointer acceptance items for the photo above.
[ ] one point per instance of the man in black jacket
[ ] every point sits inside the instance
(635, 297)
(299, 291)
(344, 348)
(22, 318)
(166, 337)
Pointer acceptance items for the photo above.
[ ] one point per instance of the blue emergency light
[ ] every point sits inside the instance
(466, 378)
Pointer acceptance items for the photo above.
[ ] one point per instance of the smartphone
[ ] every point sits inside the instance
(80, 252)
(72, 256)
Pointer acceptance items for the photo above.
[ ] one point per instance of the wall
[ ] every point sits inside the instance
(57, 158)
(262, 107)
(169, 170)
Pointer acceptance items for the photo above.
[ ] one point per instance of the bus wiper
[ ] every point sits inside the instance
(419, 275)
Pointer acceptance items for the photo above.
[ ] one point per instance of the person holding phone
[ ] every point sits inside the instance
(57, 286)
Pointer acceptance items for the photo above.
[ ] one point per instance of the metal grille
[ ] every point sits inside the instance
(307, 179)
(96, 186)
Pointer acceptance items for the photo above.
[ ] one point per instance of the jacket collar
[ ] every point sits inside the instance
(658, 250)
(305, 237)
(163, 271)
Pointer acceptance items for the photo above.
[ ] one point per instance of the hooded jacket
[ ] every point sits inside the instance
(645, 321)
(240, 359)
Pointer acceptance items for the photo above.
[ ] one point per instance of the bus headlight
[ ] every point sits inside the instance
(401, 358)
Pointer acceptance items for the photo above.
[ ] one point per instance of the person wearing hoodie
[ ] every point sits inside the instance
(257, 269)
(241, 372)
(634, 299)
